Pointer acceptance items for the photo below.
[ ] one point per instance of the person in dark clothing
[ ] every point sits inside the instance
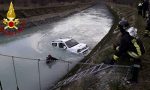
(140, 8)
(122, 25)
(130, 48)
(145, 7)
(147, 28)
(135, 59)
(118, 46)
(123, 45)
(50, 59)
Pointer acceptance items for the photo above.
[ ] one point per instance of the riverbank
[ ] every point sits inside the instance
(38, 16)
(106, 51)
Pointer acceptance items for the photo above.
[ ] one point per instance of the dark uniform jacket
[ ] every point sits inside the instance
(126, 45)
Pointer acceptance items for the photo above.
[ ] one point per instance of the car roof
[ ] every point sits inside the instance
(62, 40)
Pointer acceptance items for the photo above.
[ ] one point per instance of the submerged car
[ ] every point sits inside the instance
(71, 45)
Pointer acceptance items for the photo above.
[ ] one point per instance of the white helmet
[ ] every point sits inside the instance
(132, 31)
(140, 4)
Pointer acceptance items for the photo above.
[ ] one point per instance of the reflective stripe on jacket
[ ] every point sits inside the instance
(130, 45)
(138, 50)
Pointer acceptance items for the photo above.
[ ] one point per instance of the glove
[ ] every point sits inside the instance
(115, 57)
(114, 60)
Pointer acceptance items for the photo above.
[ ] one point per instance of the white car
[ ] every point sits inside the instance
(71, 45)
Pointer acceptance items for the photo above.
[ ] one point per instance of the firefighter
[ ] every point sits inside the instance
(140, 8)
(50, 59)
(122, 25)
(130, 48)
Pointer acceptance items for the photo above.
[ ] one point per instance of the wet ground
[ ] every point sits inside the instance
(88, 26)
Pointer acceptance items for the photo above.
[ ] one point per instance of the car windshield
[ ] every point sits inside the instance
(71, 43)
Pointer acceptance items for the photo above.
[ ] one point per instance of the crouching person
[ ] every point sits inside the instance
(131, 48)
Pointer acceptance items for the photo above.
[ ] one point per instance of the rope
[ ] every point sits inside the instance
(15, 73)
(59, 60)
(39, 75)
(17, 57)
(68, 62)
(68, 70)
(33, 59)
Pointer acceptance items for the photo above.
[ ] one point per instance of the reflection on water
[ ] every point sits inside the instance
(89, 27)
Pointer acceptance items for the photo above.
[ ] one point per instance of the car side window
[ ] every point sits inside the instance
(54, 44)
(61, 45)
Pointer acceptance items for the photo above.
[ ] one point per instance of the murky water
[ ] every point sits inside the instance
(89, 27)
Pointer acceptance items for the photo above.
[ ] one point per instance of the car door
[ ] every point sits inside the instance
(62, 45)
